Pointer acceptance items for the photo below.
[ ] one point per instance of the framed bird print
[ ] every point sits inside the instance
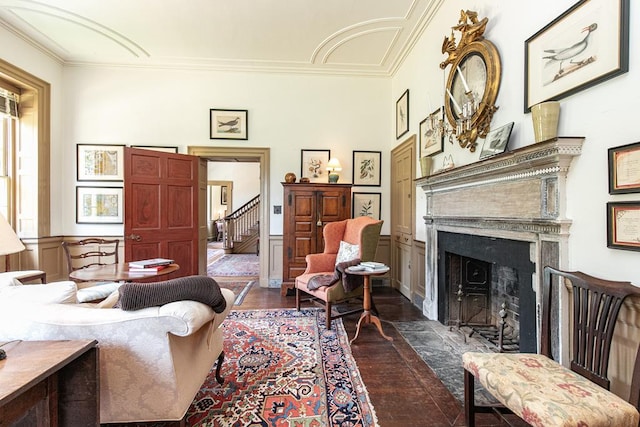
(228, 124)
(586, 45)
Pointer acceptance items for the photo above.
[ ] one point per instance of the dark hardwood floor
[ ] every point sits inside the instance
(403, 389)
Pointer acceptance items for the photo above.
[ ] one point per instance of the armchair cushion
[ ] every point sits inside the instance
(347, 252)
(135, 296)
(53, 293)
(547, 393)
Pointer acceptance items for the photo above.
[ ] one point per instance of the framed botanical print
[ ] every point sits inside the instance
(313, 165)
(99, 205)
(366, 204)
(402, 114)
(366, 168)
(100, 162)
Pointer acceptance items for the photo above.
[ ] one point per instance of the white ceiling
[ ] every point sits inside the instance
(363, 37)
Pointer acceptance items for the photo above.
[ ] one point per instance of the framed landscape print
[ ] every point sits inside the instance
(624, 169)
(431, 137)
(100, 162)
(586, 45)
(366, 204)
(99, 205)
(402, 114)
(313, 165)
(366, 168)
(229, 124)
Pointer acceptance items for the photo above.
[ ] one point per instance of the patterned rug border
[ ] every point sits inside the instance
(327, 342)
(244, 292)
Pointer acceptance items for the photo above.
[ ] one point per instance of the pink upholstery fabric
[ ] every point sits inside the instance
(545, 393)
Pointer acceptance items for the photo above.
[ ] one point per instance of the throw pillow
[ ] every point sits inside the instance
(52, 293)
(97, 292)
(347, 252)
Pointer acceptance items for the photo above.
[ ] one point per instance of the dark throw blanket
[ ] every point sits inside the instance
(135, 296)
(350, 282)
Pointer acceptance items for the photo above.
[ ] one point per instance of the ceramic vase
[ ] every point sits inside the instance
(425, 166)
(545, 118)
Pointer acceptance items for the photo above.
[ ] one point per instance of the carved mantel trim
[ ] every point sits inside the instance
(519, 195)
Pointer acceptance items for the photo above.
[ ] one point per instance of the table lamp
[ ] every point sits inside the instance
(9, 241)
(334, 167)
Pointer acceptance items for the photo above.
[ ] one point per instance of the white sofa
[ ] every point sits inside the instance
(152, 361)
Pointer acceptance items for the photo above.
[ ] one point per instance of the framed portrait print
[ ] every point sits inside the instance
(223, 195)
(100, 162)
(366, 204)
(431, 136)
(157, 148)
(228, 124)
(99, 205)
(366, 168)
(624, 169)
(402, 114)
(496, 141)
(586, 45)
(623, 225)
(313, 165)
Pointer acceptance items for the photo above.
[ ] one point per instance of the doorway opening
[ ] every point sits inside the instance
(258, 155)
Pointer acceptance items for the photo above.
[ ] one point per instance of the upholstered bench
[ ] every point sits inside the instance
(543, 392)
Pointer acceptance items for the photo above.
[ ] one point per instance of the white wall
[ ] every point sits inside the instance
(171, 107)
(245, 178)
(604, 114)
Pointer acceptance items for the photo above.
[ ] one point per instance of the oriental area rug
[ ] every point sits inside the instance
(283, 368)
(235, 265)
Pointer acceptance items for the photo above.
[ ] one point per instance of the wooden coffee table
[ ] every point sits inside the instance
(54, 382)
(118, 273)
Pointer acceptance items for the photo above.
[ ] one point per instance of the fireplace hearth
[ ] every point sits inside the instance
(498, 222)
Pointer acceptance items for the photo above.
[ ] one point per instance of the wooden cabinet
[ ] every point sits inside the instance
(307, 208)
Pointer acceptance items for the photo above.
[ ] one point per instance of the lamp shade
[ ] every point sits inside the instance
(334, 165)
(9, 241)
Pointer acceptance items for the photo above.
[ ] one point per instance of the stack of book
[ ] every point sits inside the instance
(149, 265)
(372, 265)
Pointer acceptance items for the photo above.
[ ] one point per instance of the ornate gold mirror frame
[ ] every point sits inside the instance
(474, 79)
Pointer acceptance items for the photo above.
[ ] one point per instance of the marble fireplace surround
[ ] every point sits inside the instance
(519, 195)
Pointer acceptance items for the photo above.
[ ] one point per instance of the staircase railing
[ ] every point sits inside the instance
(240, 222)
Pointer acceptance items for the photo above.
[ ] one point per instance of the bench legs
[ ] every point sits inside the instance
(469, 402)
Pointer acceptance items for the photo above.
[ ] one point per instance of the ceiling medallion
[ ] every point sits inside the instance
(474, 79)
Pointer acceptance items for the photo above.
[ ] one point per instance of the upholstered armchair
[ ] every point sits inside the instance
(362, 231)
(152, 361)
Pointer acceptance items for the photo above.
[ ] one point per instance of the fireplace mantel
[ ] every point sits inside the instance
(519, 195)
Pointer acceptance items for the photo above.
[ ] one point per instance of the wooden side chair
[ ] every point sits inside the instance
(89, 252)
(541, 391)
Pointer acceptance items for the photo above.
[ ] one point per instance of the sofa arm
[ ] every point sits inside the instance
(194, 314)
(320, 263)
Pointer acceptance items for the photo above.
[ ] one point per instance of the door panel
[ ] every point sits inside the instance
(402, 214)
(161, 208)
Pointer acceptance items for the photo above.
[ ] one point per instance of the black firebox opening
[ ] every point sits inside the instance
(503, 252)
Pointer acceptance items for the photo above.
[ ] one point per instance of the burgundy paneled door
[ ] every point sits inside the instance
(161, 207)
